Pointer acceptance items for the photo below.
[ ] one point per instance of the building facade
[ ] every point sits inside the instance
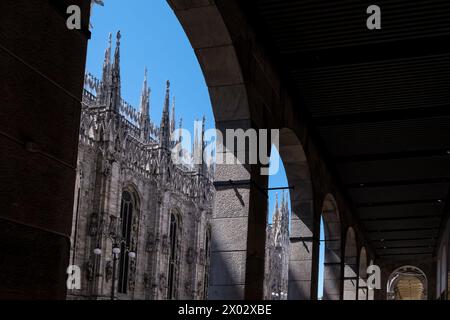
(141, 222)
(277, 253)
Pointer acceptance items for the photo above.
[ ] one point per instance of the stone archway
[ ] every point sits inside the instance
(238, 225)
(302, 216)
(333, 257)
(407, 283)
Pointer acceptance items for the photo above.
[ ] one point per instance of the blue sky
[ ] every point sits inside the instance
(152, 37)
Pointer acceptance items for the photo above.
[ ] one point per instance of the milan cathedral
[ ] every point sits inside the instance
(141, 223)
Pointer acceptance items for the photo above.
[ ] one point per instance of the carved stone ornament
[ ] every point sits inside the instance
(190, 255)
(107, 166)
(132, 274)
(188, 287)
(162, 282)
(93, 224)
(165, 244)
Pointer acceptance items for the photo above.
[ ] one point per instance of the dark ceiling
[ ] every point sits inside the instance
(380, 102)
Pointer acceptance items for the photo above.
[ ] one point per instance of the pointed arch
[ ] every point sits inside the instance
(407, 283)
(129, 209)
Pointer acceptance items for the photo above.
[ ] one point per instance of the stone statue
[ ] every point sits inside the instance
(190, 255)
(93, 226)
(109, 270)
(90, 271)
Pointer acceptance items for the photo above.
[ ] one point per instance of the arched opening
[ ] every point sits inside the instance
(350, 266)
(407, 283)
(128, 209)
(126, 217)
(330, 251)
(277, 233)
(362, 276)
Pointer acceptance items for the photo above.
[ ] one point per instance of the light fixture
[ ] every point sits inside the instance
(116, 250)
(98, 251)
(132, 255)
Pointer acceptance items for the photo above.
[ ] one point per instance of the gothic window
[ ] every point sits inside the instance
(173, 257)
(126, 216)
(207, 258)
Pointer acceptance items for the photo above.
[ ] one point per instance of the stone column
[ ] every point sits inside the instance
(302, 238)
(350, 278)
(301, 251)
(42, 71)
(238, 227)
(332, 276)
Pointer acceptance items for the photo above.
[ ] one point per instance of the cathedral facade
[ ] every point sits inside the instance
(277, 253)
(141, 222)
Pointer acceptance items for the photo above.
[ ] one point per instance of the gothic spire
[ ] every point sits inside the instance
(278, 209)
(196, 145)
(106, 75)
(172, 115)
(285, 213)
(145, 109)
(107, 60)
(276, 203)
(180, 127)
(203, 133)
(115, 77)
(164, 134)
(202, 146)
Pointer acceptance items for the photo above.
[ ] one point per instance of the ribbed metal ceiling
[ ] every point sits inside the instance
(380, 101)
